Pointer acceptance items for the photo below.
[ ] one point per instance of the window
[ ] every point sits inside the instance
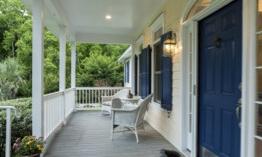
(157, 29)
(258, 68)
(158, 33)
(158, 52)
(127, 72)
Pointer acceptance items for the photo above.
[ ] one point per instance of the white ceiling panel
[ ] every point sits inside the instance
(86, 18)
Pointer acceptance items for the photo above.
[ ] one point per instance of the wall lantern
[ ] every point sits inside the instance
(170, 45)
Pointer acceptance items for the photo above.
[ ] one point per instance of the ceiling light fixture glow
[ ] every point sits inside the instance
(108, 17)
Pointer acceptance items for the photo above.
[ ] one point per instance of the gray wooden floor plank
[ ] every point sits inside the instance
(87, 134)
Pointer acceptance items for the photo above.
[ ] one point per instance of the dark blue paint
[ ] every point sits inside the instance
(219, 80)
(136, 71)
(145, 72)
(166, 78)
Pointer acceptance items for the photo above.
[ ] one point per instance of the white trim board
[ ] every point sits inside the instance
(137, 44)
(158, 23)
(126, 55)
(248, 77)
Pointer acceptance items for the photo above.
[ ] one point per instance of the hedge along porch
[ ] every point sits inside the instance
(180, 128)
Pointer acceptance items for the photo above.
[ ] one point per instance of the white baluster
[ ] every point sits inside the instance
(92, 97)
(8, 132)
(89, 96)
(77, 96)
(96, 96)
(85, 91)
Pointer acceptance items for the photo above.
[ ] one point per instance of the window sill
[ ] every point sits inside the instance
(158, 106)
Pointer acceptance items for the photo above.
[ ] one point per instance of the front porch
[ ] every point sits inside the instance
(87, 133)
(174, 77)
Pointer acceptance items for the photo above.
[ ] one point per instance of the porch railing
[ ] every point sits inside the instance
(90, 97)
(57, 107)
(8, 110)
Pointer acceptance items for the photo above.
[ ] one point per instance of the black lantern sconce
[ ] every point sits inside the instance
(170, 45)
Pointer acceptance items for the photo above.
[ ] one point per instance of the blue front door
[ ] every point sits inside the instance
(220, 52)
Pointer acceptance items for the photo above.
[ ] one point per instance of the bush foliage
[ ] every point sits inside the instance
(21, 125)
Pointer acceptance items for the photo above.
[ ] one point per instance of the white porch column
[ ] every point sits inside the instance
(132, 77)
(132, 73)
(37, 69)
(73, 65)
(62, 60)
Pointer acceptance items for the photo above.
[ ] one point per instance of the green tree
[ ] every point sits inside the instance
(99, 70)
(12, 15)
(16, 42)
(10, 79)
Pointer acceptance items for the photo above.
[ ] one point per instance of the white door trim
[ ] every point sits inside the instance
(248, 76)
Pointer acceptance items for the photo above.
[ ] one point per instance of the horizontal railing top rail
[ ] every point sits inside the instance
(83, 88)
(70, 89)
(52, 95)
(58, 93)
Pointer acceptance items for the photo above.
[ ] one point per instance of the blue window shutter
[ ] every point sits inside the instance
(166, 78)
(145, 72)
(149, 50)
(136, 71)
(141, 72)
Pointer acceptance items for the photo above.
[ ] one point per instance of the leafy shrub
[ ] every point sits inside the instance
(28, 146)
(21, 126)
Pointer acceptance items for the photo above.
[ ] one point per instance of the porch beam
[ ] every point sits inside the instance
(62, 59)
(37, 68)
(73, 65)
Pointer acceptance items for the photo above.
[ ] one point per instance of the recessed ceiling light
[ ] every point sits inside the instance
(108, 17)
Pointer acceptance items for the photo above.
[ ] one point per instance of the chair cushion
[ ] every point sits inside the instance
(107, 103)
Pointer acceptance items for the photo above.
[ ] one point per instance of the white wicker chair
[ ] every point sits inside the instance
(131, 118)
(107, 100)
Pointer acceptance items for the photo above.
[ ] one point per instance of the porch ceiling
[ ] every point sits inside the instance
(85, 19)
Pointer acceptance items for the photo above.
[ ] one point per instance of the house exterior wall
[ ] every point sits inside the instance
(172, 127)
(169, 126)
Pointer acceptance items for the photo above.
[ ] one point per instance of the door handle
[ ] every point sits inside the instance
(238, 112)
